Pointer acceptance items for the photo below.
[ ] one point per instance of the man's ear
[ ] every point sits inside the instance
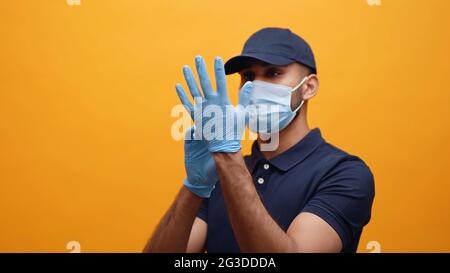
(312, 86)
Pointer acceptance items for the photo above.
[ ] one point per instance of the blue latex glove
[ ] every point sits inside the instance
(200, 166)
(213, 112)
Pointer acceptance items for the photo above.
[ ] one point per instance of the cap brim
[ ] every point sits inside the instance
(237, 63)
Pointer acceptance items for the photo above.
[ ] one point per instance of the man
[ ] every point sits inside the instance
(303, 196)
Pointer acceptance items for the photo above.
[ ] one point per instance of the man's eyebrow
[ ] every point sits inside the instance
(249, 67)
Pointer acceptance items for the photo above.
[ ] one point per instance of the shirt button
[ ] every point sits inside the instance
(260, 180)
(266, 166)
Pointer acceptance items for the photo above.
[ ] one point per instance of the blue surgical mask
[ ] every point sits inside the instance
(270, 107)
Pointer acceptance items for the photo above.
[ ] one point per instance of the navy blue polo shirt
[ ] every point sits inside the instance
(312, 176)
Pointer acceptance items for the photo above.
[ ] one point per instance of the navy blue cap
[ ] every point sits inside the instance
(276, 46)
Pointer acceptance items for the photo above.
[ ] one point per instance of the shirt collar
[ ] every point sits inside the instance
(292, 156)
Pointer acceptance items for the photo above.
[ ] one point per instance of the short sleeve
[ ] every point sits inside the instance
(344, 199)
(203, 210)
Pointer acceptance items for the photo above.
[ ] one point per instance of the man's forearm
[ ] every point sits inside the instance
(254, 229)
(172, 233)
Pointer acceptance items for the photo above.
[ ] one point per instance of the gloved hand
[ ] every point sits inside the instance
(200, 166)
(216, 121)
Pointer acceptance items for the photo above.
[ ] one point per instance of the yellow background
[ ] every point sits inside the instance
(86, 93)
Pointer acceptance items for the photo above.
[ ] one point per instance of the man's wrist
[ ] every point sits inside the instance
(221, 157)
(229, 162)
(191, 199)
(200, 191)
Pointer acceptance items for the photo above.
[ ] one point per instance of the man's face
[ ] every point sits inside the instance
(289, 75)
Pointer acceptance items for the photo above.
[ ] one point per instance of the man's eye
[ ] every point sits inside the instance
(273, 73)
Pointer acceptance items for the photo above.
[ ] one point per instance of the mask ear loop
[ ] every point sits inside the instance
(295, 89)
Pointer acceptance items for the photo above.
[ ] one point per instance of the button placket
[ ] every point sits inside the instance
(262, 177)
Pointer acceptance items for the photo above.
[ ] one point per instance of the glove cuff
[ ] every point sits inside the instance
(203, 191)
(225, 148)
